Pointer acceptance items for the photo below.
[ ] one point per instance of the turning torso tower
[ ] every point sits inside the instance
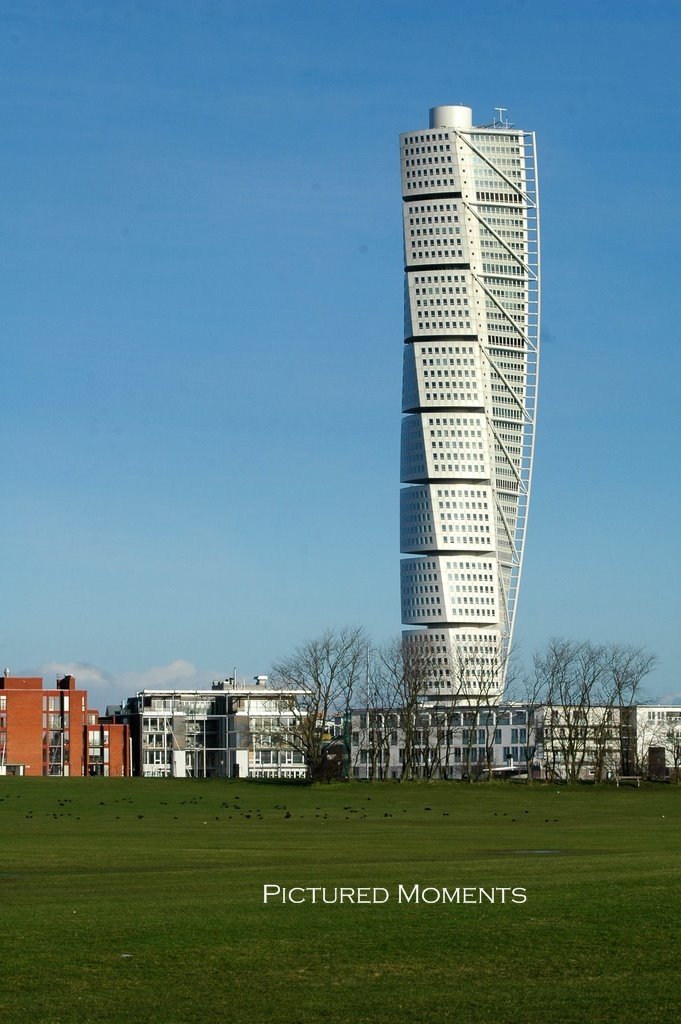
(471, 243)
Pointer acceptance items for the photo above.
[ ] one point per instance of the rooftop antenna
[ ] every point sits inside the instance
(501, 111)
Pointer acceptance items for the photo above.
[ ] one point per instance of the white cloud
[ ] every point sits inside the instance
(668, 699)
(88, 676)
(178, 673)
(105, 687)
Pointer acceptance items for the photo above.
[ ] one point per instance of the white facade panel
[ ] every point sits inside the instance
(452, 517)
(429, 165)
(446, 446)
(443, 375)
(452, 590)
(434, 231)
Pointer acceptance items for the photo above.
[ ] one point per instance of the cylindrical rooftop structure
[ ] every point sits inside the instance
(455, 116)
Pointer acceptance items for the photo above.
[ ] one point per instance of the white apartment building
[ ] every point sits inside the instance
(471, 355)
(658, 741)
(443, 741)
(567, 744)
(261, 724)
(228, 731)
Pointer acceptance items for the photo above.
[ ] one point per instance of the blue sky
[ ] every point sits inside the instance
(202, 322)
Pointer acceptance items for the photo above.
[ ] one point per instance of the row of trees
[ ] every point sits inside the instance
(582, 687)
(586, 689)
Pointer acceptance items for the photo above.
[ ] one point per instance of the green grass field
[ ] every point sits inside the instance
(142, 901)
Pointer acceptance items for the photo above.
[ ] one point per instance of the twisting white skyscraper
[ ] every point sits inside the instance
(471, 241)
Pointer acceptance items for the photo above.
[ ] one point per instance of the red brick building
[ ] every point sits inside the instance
(53, 732)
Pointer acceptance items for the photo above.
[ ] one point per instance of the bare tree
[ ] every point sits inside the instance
(673, 747)
(528, 689)
(569, 672)
(479, 673)
(613, 726)
(326, 672)
(377, 717)
(427, 737)
(647, 734)
(588, 690)
(444, 728)
(407, 668)
(627, 668)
